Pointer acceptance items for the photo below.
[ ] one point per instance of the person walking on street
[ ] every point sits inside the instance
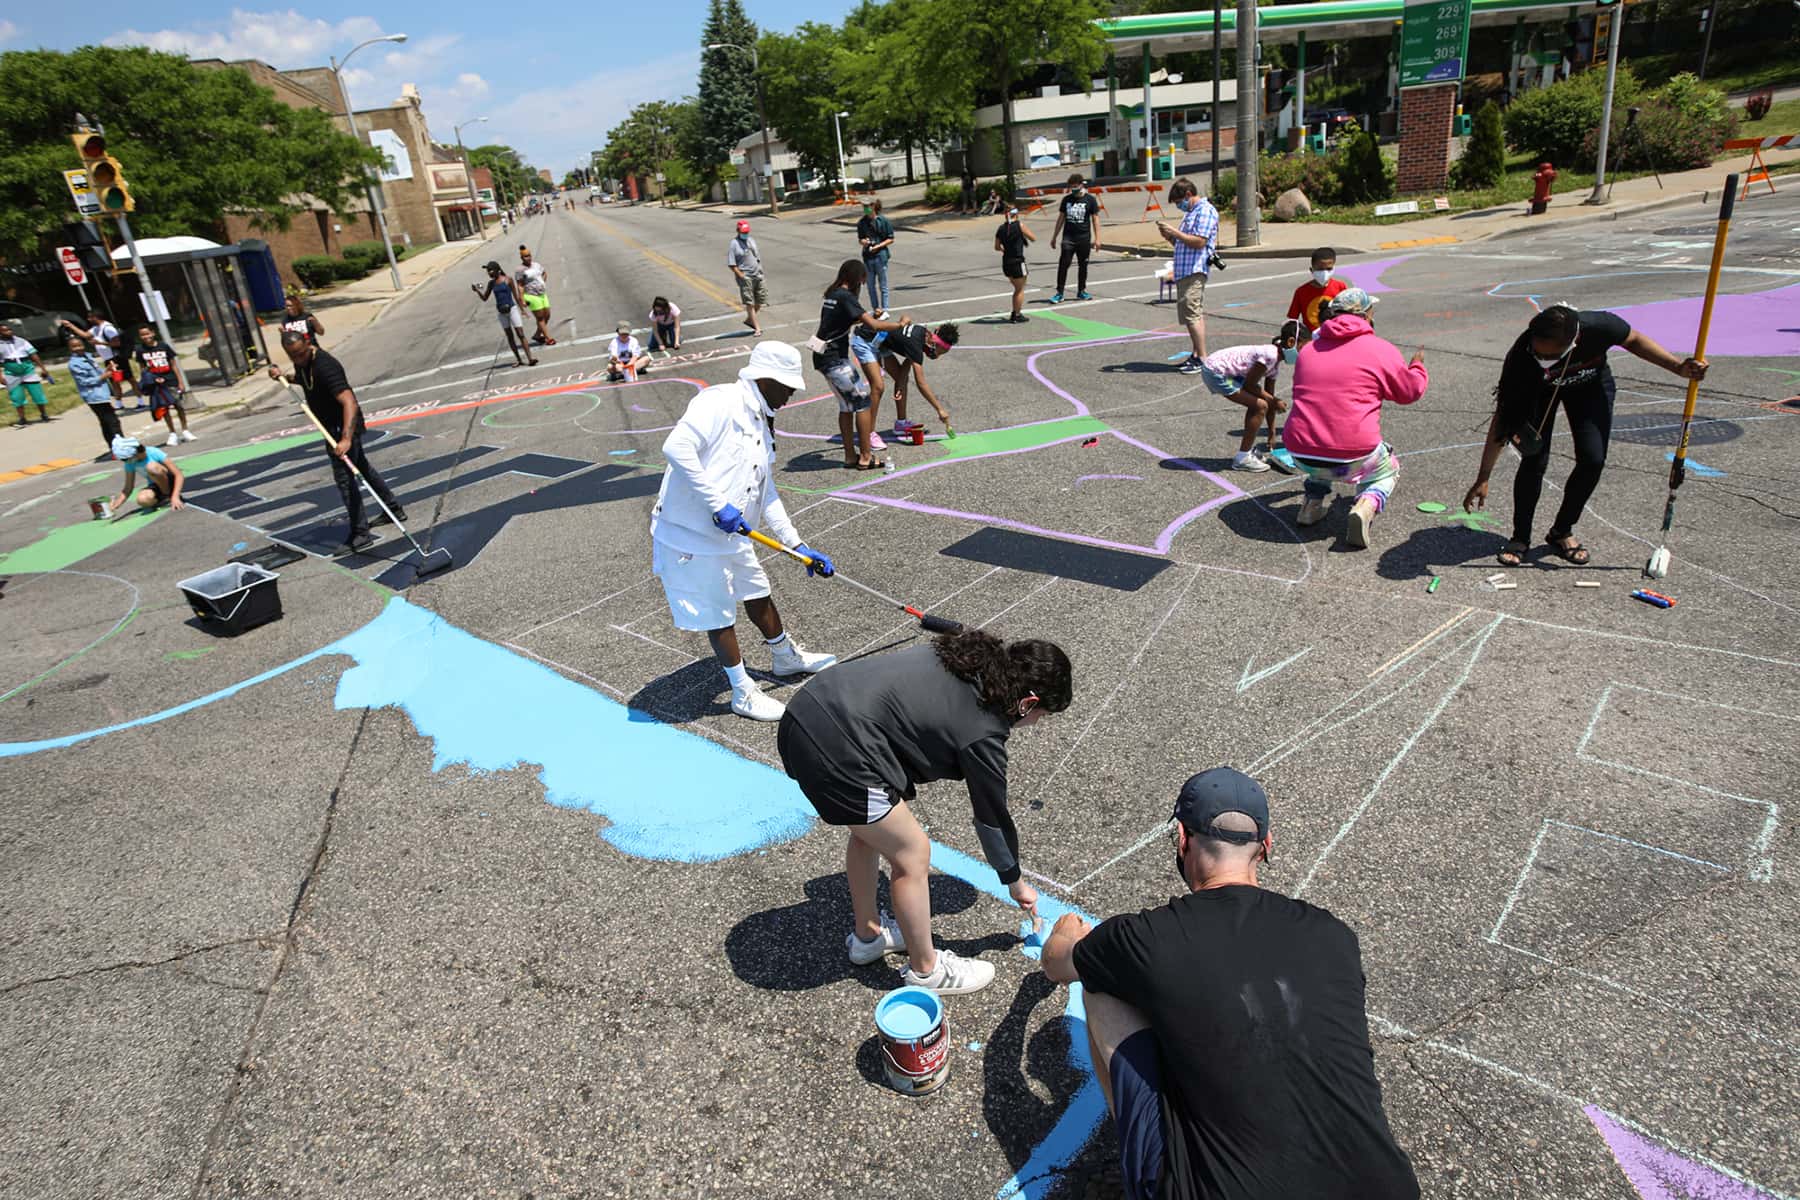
(859, 741)
(162, 477)
(1229, 1028)
(329, 395)
(91, 383)
(1560, 359)
(160, 385)
(719, 485)
(1078, 224)
(1193, 241)
(665, 325)
(1010, 242)
(534, 289)
(746, 266)
(108, 344)
(295, 318)
(875, 234)
(1341, 379)
(25, 373)
(507, 308)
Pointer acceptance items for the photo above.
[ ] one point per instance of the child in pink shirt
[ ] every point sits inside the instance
(1341, 379)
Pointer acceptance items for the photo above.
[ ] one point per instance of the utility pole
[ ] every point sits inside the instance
(375, 194)
(1249, 229)
(1217, 22)
(469, 178)
(1599, 194)
(762, 118)
(150, 306)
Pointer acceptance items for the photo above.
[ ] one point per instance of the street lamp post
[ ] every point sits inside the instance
(843, 174)
(469, 177)
(762, 119)
(337, 71)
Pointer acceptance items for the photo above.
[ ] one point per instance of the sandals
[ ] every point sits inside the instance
(1512, 554)
(1569, 550)
(874, 464)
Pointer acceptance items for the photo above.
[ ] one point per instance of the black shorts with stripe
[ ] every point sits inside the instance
(836, 794)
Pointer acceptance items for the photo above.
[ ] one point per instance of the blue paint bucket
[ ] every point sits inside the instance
(915, 1044)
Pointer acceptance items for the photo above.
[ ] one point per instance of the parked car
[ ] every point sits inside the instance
(1334, 120)
(38, 326)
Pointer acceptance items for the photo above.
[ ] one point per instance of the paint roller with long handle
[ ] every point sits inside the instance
(931, 623)
(426, 565)
(1658, 565)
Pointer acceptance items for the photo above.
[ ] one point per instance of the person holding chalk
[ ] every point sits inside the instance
(863, 736)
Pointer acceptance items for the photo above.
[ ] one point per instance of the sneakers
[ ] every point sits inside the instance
(1018, 318)
(875, 442)
(1356, 530)
(188, 435)
(1056, 299)
(174, 440)
(751, 702)
(903, 427)
(891, 941)
(1282, 461)
(357, 544)
(1084, 295)
(1245, 460)
(1312, 511)
(1193, 366)
(954, 976)
(381, 517)
(791, 658)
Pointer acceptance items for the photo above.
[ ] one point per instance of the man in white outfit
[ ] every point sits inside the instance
(719, 485)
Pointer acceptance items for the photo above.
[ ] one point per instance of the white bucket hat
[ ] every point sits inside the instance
(775, 360)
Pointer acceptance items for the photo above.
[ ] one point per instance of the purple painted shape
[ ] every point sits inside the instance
(1752, 325)
(1163, 539)
(1367, 275)
(1659, 1173)
(639, 408)
(1081, 410)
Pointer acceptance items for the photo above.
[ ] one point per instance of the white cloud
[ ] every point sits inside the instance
(471, 84)
(282, 39)
(557, 126)
(7, 30)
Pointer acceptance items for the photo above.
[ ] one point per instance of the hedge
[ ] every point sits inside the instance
(315, 270)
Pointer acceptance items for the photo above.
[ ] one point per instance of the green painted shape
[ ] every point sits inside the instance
(69, 545)
(185, 655)
(1432, 506)
(1479, 520)
(1018, 437)
(33, 682)
(231, 456)
(1083, 330)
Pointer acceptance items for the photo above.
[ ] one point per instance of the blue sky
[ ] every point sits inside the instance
(551, 78)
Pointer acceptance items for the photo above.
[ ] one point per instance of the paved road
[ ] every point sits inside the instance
(471, 885)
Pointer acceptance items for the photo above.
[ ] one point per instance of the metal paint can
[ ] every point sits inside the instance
(915, 1040)
(101, 507)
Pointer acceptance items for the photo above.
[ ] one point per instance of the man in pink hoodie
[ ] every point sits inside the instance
(1334, 427)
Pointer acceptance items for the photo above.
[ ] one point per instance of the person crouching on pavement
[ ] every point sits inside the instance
(1228, 1027)
(719, 485)
(860, 739)
(1341, 379)
(1246, 375)
(625, 356)
(162, 478)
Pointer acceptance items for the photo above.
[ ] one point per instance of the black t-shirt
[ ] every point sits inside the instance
(901, 719)
(302, 325)
(1078, 209)
(322, 379)
(837, 317)
(1256, 1002)
(1526, 386)
(1011, 237)
(155, 358)
(907, 342)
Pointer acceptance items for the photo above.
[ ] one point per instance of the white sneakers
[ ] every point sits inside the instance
(891, 941)
(954, 975)
(1247, 460)
(188, 435)
(791, 658)
(174, 440)
(1356, 529)
(1312, 511)
(753, 703)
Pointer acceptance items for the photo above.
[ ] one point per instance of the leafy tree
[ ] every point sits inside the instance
(1363, 174)
(195, 142)
(649, 137)
(512, 176)
(727, 100)
(890, 76)
(801, 73)
(1553, 123)
(1483, 162)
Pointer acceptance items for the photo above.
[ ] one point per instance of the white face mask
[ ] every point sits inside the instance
(1556, 358)
(1321, 276)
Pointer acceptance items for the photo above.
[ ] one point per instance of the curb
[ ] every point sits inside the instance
(1606, 213)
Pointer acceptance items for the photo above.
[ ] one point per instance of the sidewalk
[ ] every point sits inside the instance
(73, 438)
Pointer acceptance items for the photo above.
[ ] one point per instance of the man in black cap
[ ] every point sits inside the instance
(1227, 1026)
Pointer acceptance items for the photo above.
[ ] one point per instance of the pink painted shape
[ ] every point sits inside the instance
(1659, 1173)
(1367, 275)
(1753, 325)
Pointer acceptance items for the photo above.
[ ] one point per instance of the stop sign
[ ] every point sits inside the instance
(71, 265)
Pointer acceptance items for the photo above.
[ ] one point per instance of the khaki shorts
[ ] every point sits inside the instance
(752, 291)
(1190, 297)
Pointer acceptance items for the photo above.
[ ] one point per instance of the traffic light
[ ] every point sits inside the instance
(105, 176)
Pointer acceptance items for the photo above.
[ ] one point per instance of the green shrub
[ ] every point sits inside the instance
(1483, 163)
(1314, 174)
(372, 252)
(1364, 174)
(346, 269)
(1682, 126)
(1555, 124)
(1224, 196)
(944, 191)
(315, 270)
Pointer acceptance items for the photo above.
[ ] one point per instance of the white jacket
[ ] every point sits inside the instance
(722, 452)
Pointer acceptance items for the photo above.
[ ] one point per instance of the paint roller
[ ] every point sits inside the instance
(1658, 564)
(929, 622)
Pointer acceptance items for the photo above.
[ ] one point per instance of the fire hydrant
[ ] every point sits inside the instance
(1540, 191)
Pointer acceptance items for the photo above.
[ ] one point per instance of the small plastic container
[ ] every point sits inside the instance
(234, 597)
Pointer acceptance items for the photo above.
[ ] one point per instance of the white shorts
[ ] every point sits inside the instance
(704, 590)
(512, 318)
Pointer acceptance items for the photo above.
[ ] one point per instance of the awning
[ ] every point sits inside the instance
(1331, 19)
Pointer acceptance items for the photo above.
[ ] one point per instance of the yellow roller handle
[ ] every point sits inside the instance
(757, 535)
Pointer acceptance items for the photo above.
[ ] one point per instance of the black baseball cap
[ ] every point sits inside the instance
(1211, 794)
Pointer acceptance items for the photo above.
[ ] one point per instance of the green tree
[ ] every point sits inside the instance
(512, 176)
(889, 74)
(1363, 174)
(649, 137)
(801, 74)
(727, 99)
(195, 143)
(1553, 123)
(1483, 163)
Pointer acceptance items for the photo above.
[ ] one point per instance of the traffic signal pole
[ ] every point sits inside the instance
(150, 306)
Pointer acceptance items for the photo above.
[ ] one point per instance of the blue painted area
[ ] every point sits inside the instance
(909, 1013)
(621, 451)
(1699, 471)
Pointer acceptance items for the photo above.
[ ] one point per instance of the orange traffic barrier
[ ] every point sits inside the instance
(1759, 170)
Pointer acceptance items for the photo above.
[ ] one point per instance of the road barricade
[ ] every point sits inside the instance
(1759, 170)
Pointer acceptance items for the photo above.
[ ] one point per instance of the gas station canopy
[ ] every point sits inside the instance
(1165, 33)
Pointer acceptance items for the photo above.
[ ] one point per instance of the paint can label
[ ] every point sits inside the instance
(915, 1041)
(101, 508)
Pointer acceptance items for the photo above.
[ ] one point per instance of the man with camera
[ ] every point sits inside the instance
(1194, 244)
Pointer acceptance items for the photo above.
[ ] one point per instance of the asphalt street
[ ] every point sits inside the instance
(471, 885)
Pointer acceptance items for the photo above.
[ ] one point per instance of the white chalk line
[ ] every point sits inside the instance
(1349, 824)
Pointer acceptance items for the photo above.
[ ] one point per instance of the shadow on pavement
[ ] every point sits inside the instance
(1015, 1115)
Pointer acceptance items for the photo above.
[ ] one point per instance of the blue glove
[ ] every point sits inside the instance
(820, 565)
(731, 520)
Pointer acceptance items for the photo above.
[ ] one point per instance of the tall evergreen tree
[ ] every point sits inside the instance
(727, 82)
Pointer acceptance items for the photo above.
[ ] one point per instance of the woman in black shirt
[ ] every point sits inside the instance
(1560, 359)
(841, 315)
(1010, 241)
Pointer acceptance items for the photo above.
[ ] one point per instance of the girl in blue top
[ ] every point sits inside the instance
(506, 304)
(92, 384)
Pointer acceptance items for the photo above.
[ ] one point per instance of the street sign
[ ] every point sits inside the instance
(1434, 41)
(86, 203)
(71, 265)
(1603, 19)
